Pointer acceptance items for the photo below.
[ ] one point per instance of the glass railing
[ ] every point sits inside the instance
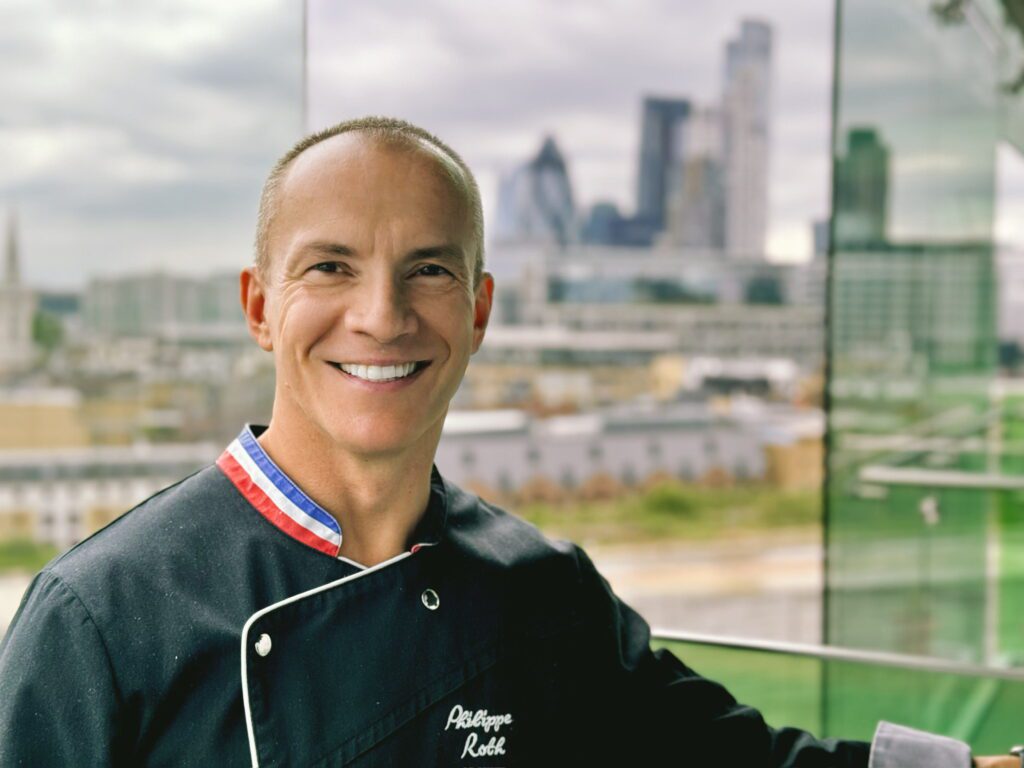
(844, 693)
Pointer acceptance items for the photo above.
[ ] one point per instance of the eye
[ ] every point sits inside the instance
(433, 270)
(330, 267)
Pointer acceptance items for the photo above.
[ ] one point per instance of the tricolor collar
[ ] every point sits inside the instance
(283, 503)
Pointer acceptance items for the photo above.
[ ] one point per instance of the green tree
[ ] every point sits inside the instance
(47, 331)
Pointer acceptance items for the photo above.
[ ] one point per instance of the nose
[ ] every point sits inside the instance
(380, 309)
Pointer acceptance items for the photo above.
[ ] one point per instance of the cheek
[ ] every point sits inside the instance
(452, 321)
(303, 322)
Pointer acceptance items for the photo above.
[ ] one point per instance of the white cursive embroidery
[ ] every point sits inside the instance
(496, 746)
(474, 720)
(464, 719)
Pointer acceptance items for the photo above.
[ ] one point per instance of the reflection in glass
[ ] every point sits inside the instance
(924, 471)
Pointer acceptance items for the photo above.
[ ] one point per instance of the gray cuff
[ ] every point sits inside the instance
(896, 746)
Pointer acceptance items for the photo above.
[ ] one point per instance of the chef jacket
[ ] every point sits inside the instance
(215, 625)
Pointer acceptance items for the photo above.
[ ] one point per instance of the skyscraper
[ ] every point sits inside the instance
(659, 154)
(746, 107)
(17, 307)
(696, 201)
(862, 189)
(535, 201)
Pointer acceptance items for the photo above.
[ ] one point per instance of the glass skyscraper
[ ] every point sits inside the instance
(659, 154)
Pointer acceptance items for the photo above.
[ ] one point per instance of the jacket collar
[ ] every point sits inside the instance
(280, 500)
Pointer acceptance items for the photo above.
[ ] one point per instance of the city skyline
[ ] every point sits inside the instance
(138, 142)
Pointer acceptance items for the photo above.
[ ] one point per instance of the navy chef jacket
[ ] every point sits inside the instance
(214, 625)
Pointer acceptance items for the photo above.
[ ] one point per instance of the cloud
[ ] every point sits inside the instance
(136, 136)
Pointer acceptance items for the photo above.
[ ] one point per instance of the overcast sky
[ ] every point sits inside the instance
(135, 136)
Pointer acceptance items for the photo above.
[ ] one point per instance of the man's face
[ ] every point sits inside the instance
(369, 278)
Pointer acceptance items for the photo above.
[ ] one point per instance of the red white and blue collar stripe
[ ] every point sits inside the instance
(283, 503)
(276, 497)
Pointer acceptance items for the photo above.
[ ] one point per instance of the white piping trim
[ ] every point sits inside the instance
(264, 611)
(360, 566)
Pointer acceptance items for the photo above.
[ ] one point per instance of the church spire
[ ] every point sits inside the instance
(12, 272)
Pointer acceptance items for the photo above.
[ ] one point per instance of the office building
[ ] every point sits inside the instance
(166, 306)
(696, 203)
(746, 115)
(862, 189)
(535, 201)
(509, 453)
(660, 153)
(61, 496)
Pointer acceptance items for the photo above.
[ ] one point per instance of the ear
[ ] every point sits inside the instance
(254, 303)
(482, 304)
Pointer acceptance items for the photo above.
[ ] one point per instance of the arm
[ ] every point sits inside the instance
(58, 699)
(676, 716)
(693, 716)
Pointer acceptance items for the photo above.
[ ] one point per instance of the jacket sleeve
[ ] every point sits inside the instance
(678, 717)
(58, 699)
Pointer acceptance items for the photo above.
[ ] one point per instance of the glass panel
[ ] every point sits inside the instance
(134, 141)
(981, 709)
(650, 383)
(923, 542)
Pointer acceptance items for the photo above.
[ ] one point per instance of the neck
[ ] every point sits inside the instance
(377, 499)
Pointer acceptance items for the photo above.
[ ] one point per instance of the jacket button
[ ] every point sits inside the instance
(263, 645)
(430, 599)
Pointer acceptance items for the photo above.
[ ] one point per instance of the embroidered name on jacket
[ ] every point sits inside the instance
(276, 497)
(483, 739)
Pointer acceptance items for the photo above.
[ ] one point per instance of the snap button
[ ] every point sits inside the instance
(263, 645)
(430, 599)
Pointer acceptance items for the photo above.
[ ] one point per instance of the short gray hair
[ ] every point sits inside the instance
(387, 130)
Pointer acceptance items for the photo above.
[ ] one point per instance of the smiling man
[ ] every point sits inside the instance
(369, 291)
(322, 596)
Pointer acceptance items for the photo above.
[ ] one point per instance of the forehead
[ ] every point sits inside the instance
(356, 170)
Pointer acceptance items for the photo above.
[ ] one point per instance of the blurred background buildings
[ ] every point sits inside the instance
(709, 318)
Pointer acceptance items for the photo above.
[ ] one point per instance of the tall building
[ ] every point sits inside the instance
(17, 307)
(660, 152)
(746, 111)
(696, 202)
(862, 188)
(535, 201)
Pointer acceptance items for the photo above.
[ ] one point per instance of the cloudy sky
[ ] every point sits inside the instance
(135, 136)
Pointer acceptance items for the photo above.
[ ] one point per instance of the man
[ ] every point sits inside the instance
(322, 596)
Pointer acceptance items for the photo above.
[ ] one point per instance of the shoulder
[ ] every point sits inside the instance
(544, 585)
(172, 524)
(497, 540)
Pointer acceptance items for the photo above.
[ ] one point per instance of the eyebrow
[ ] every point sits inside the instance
(451, 254)
(332, 249)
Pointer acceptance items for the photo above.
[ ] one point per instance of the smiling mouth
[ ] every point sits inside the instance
(381, 373)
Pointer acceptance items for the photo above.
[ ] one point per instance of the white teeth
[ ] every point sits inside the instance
(378, 372)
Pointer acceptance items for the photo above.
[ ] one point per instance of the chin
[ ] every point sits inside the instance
(373, 441)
